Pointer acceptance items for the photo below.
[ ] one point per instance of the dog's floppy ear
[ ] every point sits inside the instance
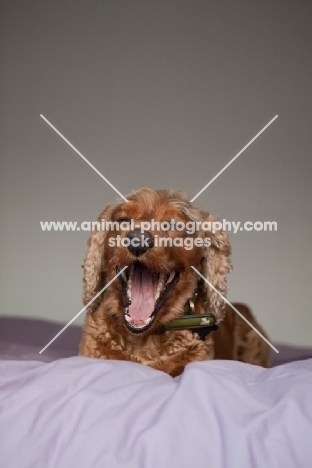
(215, 266)
(94, 264)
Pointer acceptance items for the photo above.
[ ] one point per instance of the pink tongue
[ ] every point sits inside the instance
(143, 290)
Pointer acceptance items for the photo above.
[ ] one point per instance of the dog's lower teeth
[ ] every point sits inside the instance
(146, 322)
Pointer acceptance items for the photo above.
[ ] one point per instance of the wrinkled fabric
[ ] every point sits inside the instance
(89, 413)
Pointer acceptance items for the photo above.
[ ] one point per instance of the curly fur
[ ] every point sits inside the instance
(105, 333)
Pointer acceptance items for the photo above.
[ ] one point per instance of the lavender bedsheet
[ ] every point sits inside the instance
(88, 413)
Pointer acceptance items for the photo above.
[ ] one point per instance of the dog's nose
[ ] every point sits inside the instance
(139, 242)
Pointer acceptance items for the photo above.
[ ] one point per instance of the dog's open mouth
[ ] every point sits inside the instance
(144, 291)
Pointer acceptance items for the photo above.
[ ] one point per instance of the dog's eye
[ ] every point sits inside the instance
(124, 220)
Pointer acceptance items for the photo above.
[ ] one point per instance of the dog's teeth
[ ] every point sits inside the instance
(158, 290)
(129, 285)
(128, 318)
(157, 294)
(147, 321)
(161, 281)
(160, 286)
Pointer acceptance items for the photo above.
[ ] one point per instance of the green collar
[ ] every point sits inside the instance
(191, 321)
(201, 324)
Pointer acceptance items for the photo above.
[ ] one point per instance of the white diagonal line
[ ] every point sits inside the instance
(82, 310)
(235, 310)
(83, 157)
(235, 157)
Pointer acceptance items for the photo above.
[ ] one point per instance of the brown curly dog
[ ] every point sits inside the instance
(128, 320)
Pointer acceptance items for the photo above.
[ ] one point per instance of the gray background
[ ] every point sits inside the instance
(160, 94)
